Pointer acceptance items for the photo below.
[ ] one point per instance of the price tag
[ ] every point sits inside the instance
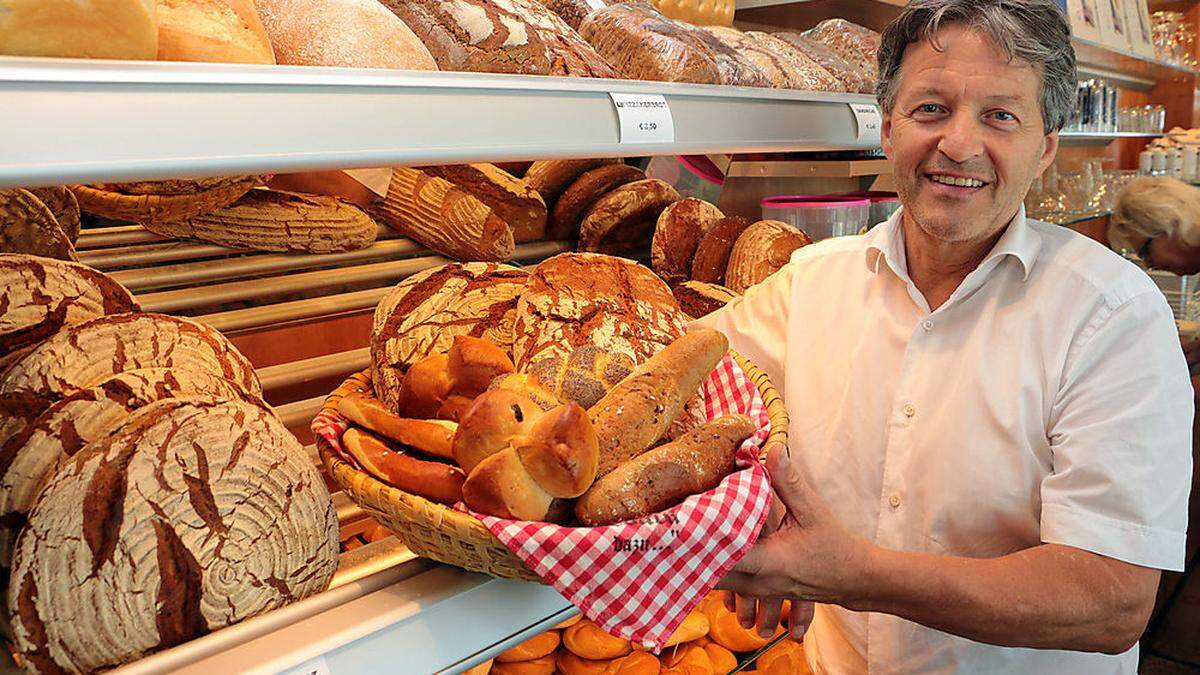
(869, 121)
(375, 180)
(316, 666)
(644, 118)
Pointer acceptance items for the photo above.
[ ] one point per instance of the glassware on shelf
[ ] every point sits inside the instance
(1174, 38)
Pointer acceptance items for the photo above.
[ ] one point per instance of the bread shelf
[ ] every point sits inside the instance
(159, 120)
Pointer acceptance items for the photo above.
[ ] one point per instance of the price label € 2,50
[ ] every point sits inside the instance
(644, 118)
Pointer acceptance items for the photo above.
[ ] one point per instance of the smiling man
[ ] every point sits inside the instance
(990, 440)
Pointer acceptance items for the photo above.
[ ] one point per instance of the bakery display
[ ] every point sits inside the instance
(780, 70)
(735, 68)
(678, 231)
(212, 30)
(858, 45)
(94, 29)
(166, 530)
(620, 221)
(813, 76)
(432, 480)
(28, 226)
(155, 201)
(500, 36)
(853, 78)
(343, 33)
(436, 213)
(273, 220)
(575, 200)
(760, 251)
(512, 199)
(549, 177)
(642, 44)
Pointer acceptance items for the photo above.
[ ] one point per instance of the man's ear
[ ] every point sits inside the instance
(1049, 152)
(885, 134)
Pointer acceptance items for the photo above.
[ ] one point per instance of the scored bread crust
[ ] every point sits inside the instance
(583, 192)
(197, 514)
(700, 298)
(62, 203)
(712, 253)
(677, 233)
(620, 220)
(512, 200)
(423, 313)
(760, 251)
(41, 296)
(28, 226)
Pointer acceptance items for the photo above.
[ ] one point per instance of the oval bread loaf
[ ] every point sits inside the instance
(41, 296)
(551, 176)
(28, 226)
(91, 29)
(62, 203)
(220, 31)
(712, 253)
(512, 200)
(760, 251)
(342, 33)
(677, 233)
(620, 220)
(197, 514)
(583, 192)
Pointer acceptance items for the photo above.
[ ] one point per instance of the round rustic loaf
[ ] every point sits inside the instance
(62, 203)
(422, 315)
(40, 296)
(620, 220)
(195, 515)
(82, 356)
(28, 226)
(343, 33)
(712, 253)
(29, 459)
(678, 231)
(581, 194)
(760, 251)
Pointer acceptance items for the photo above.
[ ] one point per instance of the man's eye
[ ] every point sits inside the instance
(928, 108)
(1004, 116)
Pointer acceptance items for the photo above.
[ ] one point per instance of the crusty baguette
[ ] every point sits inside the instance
(666, 475)
(635, 413)
(433, 437)
(435, 481)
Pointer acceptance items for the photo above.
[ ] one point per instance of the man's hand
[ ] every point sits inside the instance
(803, 554)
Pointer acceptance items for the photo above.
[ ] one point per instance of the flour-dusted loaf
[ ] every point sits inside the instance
(624, 219)
(274, 220)
(573, 12)
(677, 233)
(500, 36)
(41, 296)
(223, 31)
(551, 176)
(422, 315)
(584, 376)
(712, 253)
(29, 459)
(856, 44)
(642, 44)
(760, 251)
(700, 298)
(28, 226)
(446, 218)
(813, 76)
(62, 203)
(509, 197)
(153, 201)
(853, 78)
(583, 192)
(84, 355)
(341, 33)
(195, 515)
(96, 29)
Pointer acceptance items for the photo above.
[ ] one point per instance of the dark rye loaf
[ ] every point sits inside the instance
(642, 44)
(423, 314)
(500, 36)
(39, 296)
(29, 459)
(84, 355)
(196, 515)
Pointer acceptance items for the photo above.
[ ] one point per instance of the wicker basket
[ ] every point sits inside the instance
(441, 533)
(159, 208)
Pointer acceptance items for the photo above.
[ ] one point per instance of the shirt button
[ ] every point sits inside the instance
(927, 325)
(909, 410)
(894, 500)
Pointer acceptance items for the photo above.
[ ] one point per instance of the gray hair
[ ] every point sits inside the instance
(1032, 31)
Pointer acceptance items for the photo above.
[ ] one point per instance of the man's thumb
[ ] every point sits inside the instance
(791, 487)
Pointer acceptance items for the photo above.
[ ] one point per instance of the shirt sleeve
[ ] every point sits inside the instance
(1121, 438)
(757, 322)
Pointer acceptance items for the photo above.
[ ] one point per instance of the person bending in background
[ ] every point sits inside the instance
(990, 441)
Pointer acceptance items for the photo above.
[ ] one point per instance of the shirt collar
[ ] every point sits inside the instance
(886, 242)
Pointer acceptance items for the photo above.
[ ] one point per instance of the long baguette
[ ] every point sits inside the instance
(635, 413)
(666, 475)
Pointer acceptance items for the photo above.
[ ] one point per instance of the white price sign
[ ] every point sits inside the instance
(316, 666)
(869, 121)
(644, 118)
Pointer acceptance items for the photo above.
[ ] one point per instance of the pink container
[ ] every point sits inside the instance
(883, 204)
(821, 216)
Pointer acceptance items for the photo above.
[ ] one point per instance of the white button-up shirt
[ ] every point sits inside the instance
(1046, 401)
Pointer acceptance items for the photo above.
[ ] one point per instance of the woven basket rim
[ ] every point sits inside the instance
(357, 484)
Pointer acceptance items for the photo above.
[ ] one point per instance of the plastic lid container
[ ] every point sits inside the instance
(883, 205)
(821, 216)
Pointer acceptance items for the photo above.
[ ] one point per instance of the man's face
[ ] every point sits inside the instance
(965, 115)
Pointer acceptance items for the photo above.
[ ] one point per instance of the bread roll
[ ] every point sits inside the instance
(712, 253)
(536, 647)
(694, 627)
(677, 233)
(585, 376)
(542, 666)
(450, 382)
(570, 664)
(721, 658)
(621, 220)
(635, 413)
(508, 197)
(490, 424)
(341, 33)
(94, 29)
(583, 193)
(526, 384)
(434, 481)
(724, 629)
(687, 660)
(560, 451)
(663, 477)
(500, 486)
(227, 31)
(42, 296)
(587, 640)
(637, 663)
(760, 251)
(481, 669)
(785, 658)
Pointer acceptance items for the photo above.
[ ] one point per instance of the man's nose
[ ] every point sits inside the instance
(962, 138)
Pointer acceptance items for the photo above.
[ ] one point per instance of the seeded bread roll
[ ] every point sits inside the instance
(585, 376)
(621, 220)
(196, 515)
(677, 233)
(510, 198)
(760, 251)
(342, 33)
(423, 313)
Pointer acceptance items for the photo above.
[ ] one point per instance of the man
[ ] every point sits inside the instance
(990, 417)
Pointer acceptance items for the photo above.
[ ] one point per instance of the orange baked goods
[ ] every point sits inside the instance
(588, 640)
(571, 664)
(722, 659)
(536, 647)
(785, 658)
(542, 666)
(637, 663)
(725, 630)
(694, 627)
(569, 622)
(687, 660)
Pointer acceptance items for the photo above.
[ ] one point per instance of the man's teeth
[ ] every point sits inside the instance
(960, 182)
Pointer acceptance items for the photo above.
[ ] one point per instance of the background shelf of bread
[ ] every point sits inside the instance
(709, 642)
(575, 38)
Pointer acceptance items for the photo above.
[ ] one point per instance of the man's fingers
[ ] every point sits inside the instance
(791, 487)
(801, 617)
(730, 600)
(770, 610)
(747, 611)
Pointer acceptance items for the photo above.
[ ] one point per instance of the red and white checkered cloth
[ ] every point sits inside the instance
(640, 579)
